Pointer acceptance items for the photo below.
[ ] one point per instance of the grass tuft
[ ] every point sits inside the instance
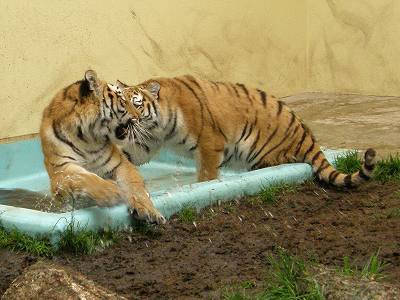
(394, 213)
(388, 169)
(347, 269)
(348, 163)
(18, 241)
(187, 214)
(371, 270)
(271, 194)
(77, 240)
(235, 295)
(239, 292)
(290, 279)
(248, 284)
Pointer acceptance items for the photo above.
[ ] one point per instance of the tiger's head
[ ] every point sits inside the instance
(111, 106)
(93, 107)
(143, 99)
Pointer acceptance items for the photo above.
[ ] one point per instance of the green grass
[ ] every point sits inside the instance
(288, 279)
(239, 291)
(77, 239)
(347, 268)
(271, 194)
(388, 169)
(394, 213)
(372, 269)
(235, 295)
(248, 284)
(18, 241)
(348, 163)
(187, 214)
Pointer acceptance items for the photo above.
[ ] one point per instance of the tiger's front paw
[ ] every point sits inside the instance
(151, 216)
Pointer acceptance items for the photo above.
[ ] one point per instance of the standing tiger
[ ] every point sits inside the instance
(222, 124)
(78, 154)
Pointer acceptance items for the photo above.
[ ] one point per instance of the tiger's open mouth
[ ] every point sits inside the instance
(132, 131)
(128, 130)
(121, 132)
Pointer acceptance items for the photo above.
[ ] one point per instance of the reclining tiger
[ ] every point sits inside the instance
(78, 154)
(222, 124)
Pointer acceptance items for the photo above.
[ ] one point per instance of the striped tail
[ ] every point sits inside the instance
(326, 172)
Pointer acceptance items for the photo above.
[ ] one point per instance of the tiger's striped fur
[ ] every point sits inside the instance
(78, 154)
(224, 124)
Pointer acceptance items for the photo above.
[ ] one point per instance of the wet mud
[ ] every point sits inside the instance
(228, 244)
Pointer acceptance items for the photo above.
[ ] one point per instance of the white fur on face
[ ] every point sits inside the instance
(137, 99)
(116, 89)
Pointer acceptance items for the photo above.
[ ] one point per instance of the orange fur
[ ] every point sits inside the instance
(79, 157)
(220, 124)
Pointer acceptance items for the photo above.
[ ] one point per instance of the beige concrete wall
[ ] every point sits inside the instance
(285, 46)
(353, 46)
(45, 45)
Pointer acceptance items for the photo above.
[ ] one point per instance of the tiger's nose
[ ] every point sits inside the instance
(134, 114)
(133, 121)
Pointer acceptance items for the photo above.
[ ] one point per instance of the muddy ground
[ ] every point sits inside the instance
(228, 244)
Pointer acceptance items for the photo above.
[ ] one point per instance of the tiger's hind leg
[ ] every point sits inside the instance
(208, 161)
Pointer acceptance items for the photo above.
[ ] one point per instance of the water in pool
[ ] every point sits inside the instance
(156, 180)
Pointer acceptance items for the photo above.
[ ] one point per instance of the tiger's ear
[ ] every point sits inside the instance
(154, 88)
(113, 87)
(93, 81)
(121, 85)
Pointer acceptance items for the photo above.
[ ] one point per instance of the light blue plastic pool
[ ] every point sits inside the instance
(170, 180)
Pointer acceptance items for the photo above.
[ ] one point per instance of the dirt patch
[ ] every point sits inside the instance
(228, 244)
(337, 286)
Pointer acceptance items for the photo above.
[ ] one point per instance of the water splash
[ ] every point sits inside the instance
(41, 200)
